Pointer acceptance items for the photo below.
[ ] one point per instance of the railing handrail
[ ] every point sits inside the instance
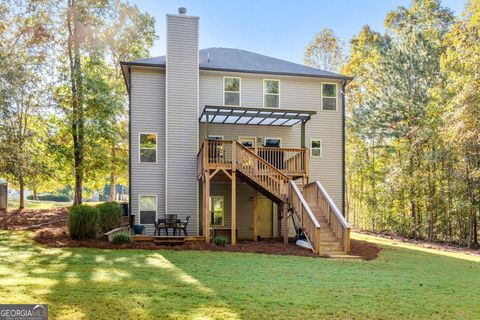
(332, 205)
(260, 159)
(201, 147)
(305, 204)
(280, 149)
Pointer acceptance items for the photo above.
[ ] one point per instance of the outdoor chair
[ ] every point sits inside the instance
(182, 225)
(159, 225)
(171, 222)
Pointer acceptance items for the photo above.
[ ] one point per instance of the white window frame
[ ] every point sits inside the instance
(276, 138)
(140, 148)
(248, 138)
(264, 93)
(321, 147)
(223, 210)
(239, 91)
(156, 207)
(336, 95)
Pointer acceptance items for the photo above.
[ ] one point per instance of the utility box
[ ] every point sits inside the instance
(3, 195)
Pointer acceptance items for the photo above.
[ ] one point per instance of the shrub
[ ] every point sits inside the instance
(83, 222)
(110, 216)
(51, 197)
(220, 241)
(121, 237)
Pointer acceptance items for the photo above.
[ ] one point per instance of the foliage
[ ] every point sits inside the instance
(409, 281)
(110, 216)
(220, 241)
(51, 197)
(83, 222)
(325, 51)
(412, 125)
(121, 237)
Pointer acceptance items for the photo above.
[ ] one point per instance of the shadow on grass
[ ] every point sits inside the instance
(105, 284)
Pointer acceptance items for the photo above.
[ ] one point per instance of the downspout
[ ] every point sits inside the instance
(129, 90)
(343, 147)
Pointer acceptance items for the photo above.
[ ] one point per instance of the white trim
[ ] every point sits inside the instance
(336, 95)
(239, 91)
(263, 92)
(156, 209)
(266, 138)
(139, 148)
(321, 147)
(248, 138)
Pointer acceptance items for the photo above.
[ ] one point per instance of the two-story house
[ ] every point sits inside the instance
(241, 143)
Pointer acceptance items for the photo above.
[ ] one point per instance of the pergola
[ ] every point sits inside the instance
(255, 116)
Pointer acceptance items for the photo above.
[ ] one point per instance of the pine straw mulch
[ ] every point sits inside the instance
(50, 227)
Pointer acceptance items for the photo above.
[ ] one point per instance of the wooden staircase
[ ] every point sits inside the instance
(312, 208)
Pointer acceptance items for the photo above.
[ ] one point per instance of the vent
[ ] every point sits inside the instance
(182, 10)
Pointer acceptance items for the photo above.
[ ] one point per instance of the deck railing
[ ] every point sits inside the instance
(291, 161)
(258, 169)
(305, 216)
(315, 193)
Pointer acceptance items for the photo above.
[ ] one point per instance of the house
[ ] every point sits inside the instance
(244, 144)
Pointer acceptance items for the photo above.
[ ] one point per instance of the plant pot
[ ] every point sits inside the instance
(138, 229)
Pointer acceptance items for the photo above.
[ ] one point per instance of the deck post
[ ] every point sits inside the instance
(302, 134)
(255, 216)
(234, 208)
(206, 207)
(285, 223)
(206, 127)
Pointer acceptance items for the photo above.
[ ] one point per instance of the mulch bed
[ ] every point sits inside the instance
(50, 227)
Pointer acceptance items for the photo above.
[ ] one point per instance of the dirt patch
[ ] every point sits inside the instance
(449, 247)
(50, 227)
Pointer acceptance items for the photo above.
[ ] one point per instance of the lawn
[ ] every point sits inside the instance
(34, 204)
(404, 282)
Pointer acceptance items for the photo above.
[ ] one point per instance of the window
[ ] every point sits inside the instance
(248, 142)
(216, 211)
(273, 142)
(315, 148)
(148, 147)
(147, 209)
(215, 137)
(271, 93)
(329, 96)
(231, 91)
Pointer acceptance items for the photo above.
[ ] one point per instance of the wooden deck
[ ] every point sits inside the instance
(168, 240)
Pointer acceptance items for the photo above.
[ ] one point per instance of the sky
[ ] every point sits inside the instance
(281, 28)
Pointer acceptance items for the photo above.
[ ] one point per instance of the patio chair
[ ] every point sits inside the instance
(182, 225)
(159, 225)
(171, 222)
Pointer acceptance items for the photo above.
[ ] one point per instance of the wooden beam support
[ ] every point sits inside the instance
(255, 216)
(285, 223)
(302, 134)
(234, 208)
(206, 208)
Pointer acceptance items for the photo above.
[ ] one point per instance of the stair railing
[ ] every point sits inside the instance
(315, 193)
(305, 216)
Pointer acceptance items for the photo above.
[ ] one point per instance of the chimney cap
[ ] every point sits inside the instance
(182, 10)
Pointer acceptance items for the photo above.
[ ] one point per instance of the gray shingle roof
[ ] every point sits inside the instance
(227, 59)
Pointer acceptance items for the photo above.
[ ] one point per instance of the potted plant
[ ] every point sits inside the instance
(138, 229)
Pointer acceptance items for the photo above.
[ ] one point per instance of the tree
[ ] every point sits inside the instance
(325, 51)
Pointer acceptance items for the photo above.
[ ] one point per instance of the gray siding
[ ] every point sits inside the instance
(148, 116)
(295, 93)
(182, 118)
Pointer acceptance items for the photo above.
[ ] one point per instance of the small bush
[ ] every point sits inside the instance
(110, 216)
(83, 222)
(220, 241)
(121, 237)
(51, 197)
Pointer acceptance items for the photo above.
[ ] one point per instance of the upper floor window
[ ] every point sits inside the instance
(329, 96)
(315, 148)
(231, 91)
(148, 147)
(271, 93)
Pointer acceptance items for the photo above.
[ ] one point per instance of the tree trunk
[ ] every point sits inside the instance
(113, 183)
(35, 197)
(22, 192)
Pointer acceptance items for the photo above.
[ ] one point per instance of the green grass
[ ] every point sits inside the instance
(404, 282)
(33, 204)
